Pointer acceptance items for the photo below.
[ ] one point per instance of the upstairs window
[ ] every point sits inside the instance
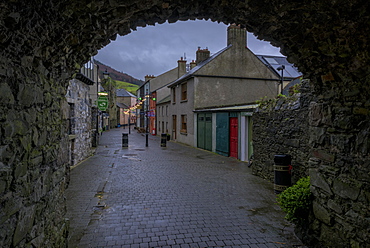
(173, 95)
(184, 91)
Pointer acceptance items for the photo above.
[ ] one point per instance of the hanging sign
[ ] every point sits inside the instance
(102, 103)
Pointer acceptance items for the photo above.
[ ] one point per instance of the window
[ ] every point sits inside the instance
(183, 124)
(272, 61)
(184, 91)
(173, 95)
(167, 110)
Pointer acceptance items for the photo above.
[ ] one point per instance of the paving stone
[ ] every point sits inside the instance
(169, 197)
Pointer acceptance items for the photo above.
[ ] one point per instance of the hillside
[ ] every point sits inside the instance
(116, 75)
(132, 88)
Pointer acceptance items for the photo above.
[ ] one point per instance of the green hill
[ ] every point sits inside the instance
(132, 88)
(116, 75)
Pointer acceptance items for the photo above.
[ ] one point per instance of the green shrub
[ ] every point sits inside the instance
(296, 201)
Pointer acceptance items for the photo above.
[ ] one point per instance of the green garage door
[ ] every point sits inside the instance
(222, 134)
(204, 131)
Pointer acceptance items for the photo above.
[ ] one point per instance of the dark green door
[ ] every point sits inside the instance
(200, 131)
(222, 134)
(204, 131)
(208, 132)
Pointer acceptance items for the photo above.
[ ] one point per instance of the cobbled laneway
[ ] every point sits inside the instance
(177, 196)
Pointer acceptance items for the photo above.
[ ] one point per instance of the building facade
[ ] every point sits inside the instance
(212, 103)
(125, 106)
(81, 112)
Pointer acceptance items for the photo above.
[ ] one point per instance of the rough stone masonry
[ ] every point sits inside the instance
(43, 43)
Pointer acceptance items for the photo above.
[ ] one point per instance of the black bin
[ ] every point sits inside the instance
(163, 139)
(125, 140)
(282, 175)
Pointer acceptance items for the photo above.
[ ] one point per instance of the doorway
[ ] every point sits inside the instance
(174, 130)
(234, 137)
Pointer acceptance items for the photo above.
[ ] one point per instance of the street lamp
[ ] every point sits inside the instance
(281, 68)
(146, 117)
(106, 78)
(106, 74)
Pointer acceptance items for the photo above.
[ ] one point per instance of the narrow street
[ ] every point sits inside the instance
(177, 196)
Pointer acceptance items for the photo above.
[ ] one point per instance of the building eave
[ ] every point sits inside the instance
(248, 107)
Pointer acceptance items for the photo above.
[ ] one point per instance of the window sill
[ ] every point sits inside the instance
(183, 133)
(184, 101)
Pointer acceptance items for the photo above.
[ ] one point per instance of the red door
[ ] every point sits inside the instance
(234, 137)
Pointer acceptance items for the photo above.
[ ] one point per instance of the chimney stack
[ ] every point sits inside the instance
(192, 64)
(202, 54)
(181, 67)
(236, 36)
(148, 77)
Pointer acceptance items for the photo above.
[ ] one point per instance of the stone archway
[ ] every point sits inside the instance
(44, 42)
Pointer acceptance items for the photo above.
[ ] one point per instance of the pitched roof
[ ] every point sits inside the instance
(164, 100)
(197, 67)
(273, 62)
(124, 93)
(121, 105)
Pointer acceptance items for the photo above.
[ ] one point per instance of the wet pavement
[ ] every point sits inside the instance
(174, 196)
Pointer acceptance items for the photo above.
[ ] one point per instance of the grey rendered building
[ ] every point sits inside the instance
(211, 105)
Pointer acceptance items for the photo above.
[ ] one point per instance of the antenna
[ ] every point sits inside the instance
(184, 56)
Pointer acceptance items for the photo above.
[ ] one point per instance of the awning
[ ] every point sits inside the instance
(248, 108)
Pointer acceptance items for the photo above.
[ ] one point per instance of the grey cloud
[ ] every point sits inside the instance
(156, 49)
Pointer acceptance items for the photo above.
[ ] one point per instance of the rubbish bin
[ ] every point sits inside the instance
(163, 139)
(125, 140)
(282, 175)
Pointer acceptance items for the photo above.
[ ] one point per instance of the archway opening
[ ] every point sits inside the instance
(43, 43)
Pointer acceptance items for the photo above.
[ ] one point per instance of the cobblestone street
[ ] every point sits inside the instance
(177, 196)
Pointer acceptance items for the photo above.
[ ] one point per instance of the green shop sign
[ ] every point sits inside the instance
(102, 103)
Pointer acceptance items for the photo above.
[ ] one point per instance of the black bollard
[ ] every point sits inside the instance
(125, 140)
(163, 139)
(282, 172)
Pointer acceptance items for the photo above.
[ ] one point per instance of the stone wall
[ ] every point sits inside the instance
(280, 126)
(78, 114)
(328, 138)
(33, 165)
(339, 126)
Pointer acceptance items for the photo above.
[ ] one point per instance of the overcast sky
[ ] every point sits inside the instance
(154, 50)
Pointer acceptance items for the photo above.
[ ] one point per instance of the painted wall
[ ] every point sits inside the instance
(219, 92)
(179, 108)
(163, 118)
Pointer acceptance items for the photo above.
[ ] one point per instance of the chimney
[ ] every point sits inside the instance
(192, 64)
(181, 68)
(236, 36)
(202, 54)
(148, 77)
